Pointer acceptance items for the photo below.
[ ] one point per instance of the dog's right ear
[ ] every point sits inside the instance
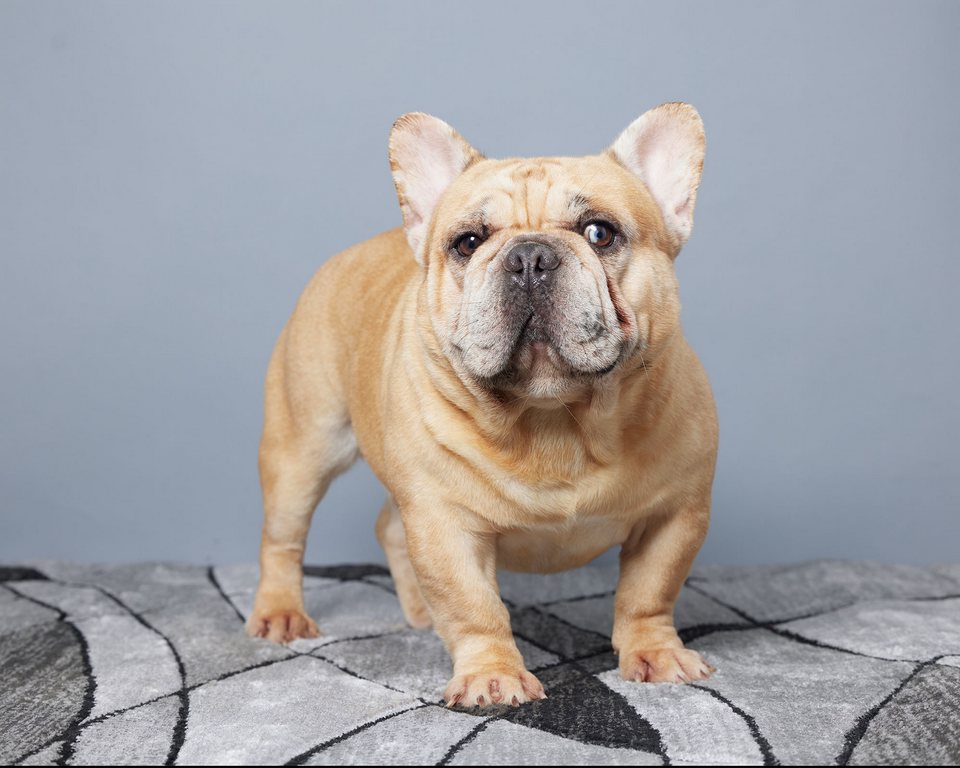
(426, 155)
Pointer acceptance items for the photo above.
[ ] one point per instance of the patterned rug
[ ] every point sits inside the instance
(820, 663)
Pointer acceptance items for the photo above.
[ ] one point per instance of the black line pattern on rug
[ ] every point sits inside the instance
(361, 573)
(697, 631)
(578, 599)
(61, 615)
(304, 756)
(123, 710)
(766, 751)
(20, 573)
(933, 599)
(476, 731)
(219, 678)
(691, 583)
(687, 634)
(855, 735)
(73, 730)
(803, 640)
(80, 723)
(701, 630)
(536, 644)
(349, 572)
(69, 735)
(853, 603)
(566, 623)
(180, 726)
(348, 671)
(378, 585)
(796, 637)
(212, 577)
(573, 660)
(352, 638)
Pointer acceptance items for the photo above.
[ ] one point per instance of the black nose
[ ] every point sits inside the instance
(531, 259)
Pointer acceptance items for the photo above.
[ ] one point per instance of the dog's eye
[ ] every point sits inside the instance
(599, 234)
(467, 245)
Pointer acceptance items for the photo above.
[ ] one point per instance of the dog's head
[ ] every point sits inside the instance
(545, 276)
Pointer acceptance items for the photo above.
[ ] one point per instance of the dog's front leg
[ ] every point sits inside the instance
(654, 562)
(456, 567)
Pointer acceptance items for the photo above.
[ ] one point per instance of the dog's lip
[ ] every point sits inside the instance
(609, 368)
(542, 348)
(546, 350)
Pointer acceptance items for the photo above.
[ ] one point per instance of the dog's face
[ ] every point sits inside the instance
(546, 276)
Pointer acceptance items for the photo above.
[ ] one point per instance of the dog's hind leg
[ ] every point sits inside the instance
(393, 539)
(299, 457)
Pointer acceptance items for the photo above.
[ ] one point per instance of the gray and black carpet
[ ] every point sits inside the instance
(821, 663)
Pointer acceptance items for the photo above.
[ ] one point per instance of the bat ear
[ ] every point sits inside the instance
(426, 155)
(664, 148)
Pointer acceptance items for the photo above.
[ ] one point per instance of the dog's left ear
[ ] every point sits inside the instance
(665, 147)
(426, 155)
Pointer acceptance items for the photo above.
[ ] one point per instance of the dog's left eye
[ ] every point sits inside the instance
(599, 234)
(468, 244)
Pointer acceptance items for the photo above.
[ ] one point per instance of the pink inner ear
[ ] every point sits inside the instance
(429, 159)
(664, 147)
(414, 219)
(427, 155)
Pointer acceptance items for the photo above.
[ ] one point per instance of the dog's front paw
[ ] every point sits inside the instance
(493, 686)
(281, 625)
(664, 665)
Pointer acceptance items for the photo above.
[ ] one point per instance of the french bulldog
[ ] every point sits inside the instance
(512, 366)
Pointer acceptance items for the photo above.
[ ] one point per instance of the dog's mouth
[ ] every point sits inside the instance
(555, 344)
(537, 361)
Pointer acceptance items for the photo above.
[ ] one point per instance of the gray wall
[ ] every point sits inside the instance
(172, 174)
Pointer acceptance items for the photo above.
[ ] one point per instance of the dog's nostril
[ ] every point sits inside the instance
(549, 259)
(531, 256)
(512, 262)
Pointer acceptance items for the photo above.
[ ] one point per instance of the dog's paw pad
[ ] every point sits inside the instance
(664, 665)
(282, 626)
(511, 687)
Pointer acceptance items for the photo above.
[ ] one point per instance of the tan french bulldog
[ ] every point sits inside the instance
(511, 365)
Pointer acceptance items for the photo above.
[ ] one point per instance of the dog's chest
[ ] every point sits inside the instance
(546, 549)
(554, 528)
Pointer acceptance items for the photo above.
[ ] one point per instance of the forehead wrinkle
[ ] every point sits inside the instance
(520, 212)
(538, 194)
(560, 205)
(533, 182)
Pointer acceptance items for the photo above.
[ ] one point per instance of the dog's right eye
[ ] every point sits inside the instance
(467, 245)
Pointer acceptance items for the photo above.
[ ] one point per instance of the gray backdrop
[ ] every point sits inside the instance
(172, 174)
